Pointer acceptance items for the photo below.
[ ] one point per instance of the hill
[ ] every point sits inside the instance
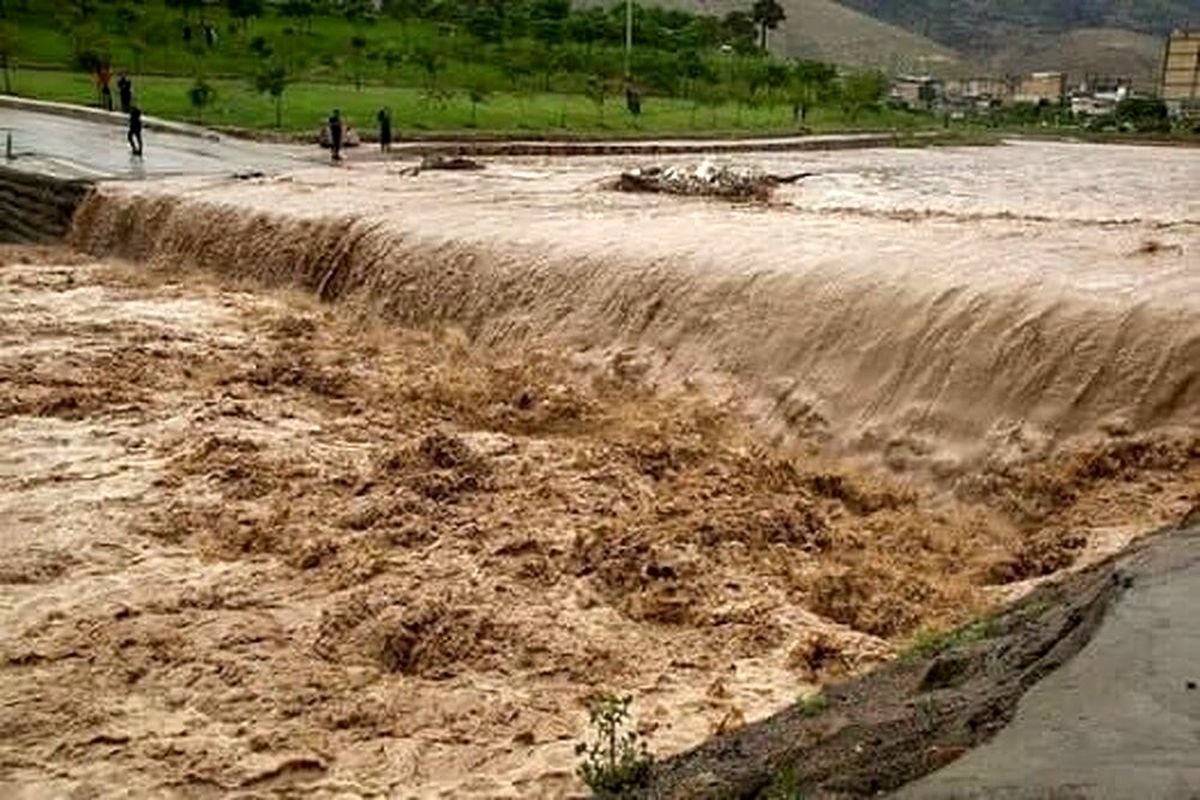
(990, 24)
(829, 31)
(1099, 51)
(1108, 37)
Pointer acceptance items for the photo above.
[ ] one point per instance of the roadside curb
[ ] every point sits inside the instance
(107, 117)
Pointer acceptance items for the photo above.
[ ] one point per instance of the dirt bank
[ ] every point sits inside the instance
(1084, 731)
(37, 208)
(259, 544)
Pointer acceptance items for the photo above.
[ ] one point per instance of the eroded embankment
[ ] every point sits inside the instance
(37, 208)
(825, 327)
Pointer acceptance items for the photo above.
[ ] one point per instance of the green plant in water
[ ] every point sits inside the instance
(616, 759)
(812, 704)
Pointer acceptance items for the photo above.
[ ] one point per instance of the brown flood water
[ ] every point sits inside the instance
(391, 545)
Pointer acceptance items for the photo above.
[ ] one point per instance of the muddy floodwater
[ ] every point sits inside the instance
(353, 482)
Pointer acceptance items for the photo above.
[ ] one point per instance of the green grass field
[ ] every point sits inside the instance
(306, 105)
(530, 89)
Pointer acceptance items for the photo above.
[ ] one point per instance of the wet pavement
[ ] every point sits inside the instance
(77, 148)
(1122, 719)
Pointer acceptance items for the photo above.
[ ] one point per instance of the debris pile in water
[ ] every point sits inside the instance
(443, 163)
(705, 179)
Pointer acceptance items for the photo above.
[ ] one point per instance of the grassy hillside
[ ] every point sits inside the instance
(830, 31)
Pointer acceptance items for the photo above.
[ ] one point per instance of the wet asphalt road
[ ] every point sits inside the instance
(76, 148)
(1119, 721)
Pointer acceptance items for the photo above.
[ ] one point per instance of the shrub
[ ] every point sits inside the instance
(616, 759)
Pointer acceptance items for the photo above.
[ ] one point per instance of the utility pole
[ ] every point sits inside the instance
(628, 37)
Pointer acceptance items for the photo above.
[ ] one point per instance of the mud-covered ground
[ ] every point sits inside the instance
(256, 543)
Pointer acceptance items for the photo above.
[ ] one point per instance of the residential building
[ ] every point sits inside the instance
(1041, 87)
(1180, 83)
(916, 91)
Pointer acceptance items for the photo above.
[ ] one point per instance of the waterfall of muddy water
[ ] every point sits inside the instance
(916, 301)
(256, 543)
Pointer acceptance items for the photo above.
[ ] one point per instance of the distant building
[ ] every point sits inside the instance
(1180, 83)
(1041, 87)
(1097, 95)
(978, 93)
(916, 91)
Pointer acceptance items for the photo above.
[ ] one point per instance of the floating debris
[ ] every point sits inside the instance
(444, 163)
(705, 179)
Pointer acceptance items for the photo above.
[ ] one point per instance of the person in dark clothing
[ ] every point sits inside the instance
(135, 130)
(633, 100)
(104, 78)
(385, 130)
(187, 34)
(125, 92)
(335, 134)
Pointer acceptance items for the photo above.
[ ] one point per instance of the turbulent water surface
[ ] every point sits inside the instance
(924, 298)
(521, 439)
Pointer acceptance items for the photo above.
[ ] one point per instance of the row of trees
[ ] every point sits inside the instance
(548, 21)
(476, 47)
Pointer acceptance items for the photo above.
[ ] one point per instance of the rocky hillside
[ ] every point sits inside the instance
(948, 37)
(1111, 37)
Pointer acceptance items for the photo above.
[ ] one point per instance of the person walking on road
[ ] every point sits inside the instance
(335, 134)
(125, 92)
(385, 130)
(135, 130)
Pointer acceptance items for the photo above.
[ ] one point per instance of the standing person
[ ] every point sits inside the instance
(135, 130)
(633, 100)
(125, 92)
(385, 130)
(104, 78)
(335, 134)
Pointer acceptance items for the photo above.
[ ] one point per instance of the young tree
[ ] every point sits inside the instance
(862, 90)
(767, 14)
(186, 6)
(244, 10)
(301, 10)
(737, 28)
(200, 95)
(808, 83)
(260, 48)
(272, 79)
(598, 88)
(479, 90)
(358, 46)
(430, 62)
(8, 49)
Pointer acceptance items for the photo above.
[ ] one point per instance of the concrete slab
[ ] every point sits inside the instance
(71, 147)
(1122, 719)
